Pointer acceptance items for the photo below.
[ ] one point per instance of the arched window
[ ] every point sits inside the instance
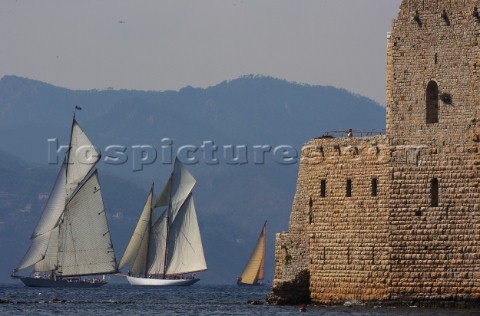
(432, 103)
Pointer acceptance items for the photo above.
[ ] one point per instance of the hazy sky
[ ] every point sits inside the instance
(161, 45)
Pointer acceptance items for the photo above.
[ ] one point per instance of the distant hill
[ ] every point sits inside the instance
(232, 200)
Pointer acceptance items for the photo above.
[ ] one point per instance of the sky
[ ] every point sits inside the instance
(166, 45)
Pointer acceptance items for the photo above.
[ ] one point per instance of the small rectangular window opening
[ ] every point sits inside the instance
(434, 192)
(374, 186)
(323, 188)
(349, 188)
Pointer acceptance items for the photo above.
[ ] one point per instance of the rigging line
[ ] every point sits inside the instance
(73, 243)
(188, 241)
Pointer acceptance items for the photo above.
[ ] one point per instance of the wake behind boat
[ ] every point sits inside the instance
(166, 247)
(72, 238)
(254, 272)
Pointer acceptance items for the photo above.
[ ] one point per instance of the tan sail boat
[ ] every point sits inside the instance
(254, 272)
(72, 238)
(166, 247)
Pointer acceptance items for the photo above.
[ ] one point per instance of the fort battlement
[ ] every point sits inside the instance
(396, 218)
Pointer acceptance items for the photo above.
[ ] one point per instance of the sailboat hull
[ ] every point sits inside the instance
(160, 282)
(61, 283)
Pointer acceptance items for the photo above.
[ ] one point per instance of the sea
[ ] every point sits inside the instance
(123, 299)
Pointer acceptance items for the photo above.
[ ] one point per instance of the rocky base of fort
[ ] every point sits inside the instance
(293, 292)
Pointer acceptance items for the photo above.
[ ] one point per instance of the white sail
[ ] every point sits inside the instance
(164, 197)
(139, 266)
(50, 261)
(185, 250)
(36, 252)
(177, 189)
(85, 243)
(54, 207)
(48, 221)
(82, 157)
(158, 241)
(133, 255)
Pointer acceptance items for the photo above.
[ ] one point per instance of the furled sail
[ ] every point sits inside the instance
(185, 251)
(85, 245)
(254, 269)
(135, 256)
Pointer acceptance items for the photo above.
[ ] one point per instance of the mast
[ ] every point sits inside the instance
(150, 222)
(67, 155)
(168, 224)
(67, 164)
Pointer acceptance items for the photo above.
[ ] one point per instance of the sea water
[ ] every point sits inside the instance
(123, 299)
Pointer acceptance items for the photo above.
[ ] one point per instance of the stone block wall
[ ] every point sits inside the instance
(340, 231)
(398, 243)
(435, 249)
(395, 218)
(347, 237)
(433, 41)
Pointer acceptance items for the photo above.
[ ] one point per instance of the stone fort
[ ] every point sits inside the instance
(396, 217)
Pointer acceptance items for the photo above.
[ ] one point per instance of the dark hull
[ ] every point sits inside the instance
(60, 283)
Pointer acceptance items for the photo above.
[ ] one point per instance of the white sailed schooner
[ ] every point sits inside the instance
(72, 238)
(254, 272)
(166, 247)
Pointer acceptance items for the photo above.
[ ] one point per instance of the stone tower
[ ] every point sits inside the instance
(396, 218)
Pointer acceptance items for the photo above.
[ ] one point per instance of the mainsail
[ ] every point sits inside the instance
(255, 268)
(72, 237)
(85, 246)
(167, 238)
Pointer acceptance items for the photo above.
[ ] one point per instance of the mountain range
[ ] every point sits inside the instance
(233, 197)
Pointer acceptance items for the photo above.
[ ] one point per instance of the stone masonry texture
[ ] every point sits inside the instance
(396, 218)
